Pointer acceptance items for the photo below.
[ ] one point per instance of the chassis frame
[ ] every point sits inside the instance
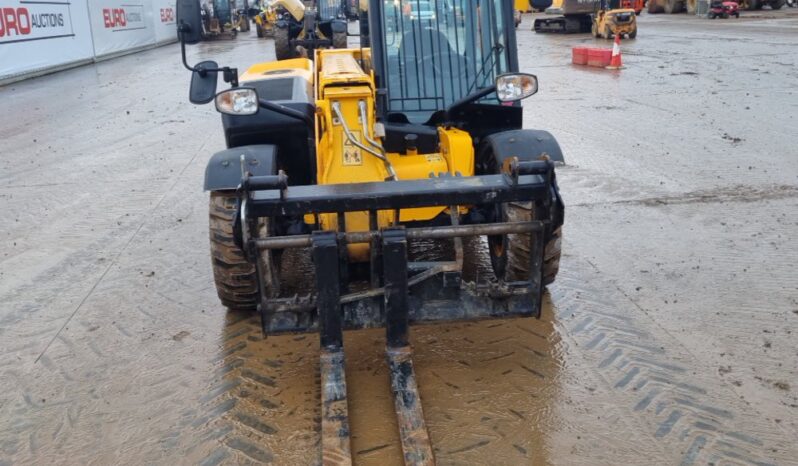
(401, 292)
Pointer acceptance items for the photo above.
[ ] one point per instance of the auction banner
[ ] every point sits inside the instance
(165, 20)
(37, 35)
(121, 25)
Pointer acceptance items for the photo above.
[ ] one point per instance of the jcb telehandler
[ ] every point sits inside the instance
(319, 24)
(358, 155)
(264, 18)
(608, 23)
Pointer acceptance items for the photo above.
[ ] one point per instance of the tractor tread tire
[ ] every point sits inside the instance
(654, 7)
(282, 44)
(235, 278)
(259, 31)
(517, 267)
(673, 6)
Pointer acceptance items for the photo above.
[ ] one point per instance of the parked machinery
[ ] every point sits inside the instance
(265, 18)
(301, 29)
(600, 17)
(689, 6)
(217, 19)
(616, 22)
(567, 16)
(721, 9)
(611, 23)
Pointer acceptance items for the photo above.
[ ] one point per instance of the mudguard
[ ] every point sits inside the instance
(224, 168)
(526, 144)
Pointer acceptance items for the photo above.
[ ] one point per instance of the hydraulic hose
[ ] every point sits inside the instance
(364, 122)
(336, 108)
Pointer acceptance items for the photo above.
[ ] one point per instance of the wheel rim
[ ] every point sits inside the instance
(497, 247)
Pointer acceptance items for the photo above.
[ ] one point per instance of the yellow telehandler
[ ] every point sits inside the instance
(356, 159)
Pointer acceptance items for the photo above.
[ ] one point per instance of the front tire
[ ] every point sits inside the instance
(673, 6)
(235, 278)
(509, 254)
(282, 44)
(654, 7)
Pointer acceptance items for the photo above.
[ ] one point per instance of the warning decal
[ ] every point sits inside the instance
(352, 155)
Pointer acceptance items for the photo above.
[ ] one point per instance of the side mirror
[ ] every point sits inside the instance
(516, 86)
(189, 21)
(203, 82)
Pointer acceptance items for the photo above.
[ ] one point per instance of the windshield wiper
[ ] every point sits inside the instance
(495, 51)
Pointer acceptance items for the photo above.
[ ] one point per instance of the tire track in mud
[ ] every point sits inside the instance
(659, 382)
(248, 411)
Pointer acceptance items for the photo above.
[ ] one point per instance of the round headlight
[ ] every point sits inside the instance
(516, 86)
(237, 101)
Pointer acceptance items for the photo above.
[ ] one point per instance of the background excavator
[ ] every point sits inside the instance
(602, 18)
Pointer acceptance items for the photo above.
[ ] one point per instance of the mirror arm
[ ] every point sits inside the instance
(287, 111)
(181, 28)
(230, 75)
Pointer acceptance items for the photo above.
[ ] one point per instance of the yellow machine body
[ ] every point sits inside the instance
(295, 7)
(571, 7)
(610, 23)
(343, 78)
(301, 67)
(267, 18)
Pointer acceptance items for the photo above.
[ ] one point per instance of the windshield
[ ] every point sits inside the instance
(329, 9)
(438, 51)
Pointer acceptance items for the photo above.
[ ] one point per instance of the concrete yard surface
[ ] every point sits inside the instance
(668, 338)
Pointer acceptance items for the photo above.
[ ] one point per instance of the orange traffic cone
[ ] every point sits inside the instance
(615, 61)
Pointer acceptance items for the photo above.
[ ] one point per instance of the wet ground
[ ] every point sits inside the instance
(667, 339)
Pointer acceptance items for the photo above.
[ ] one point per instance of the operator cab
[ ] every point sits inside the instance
(430, 54)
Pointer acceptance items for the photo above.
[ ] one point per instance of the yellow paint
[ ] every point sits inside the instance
(295, 7)
(341, 79)
(522, 5)
(458, 151)
(301, 67)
